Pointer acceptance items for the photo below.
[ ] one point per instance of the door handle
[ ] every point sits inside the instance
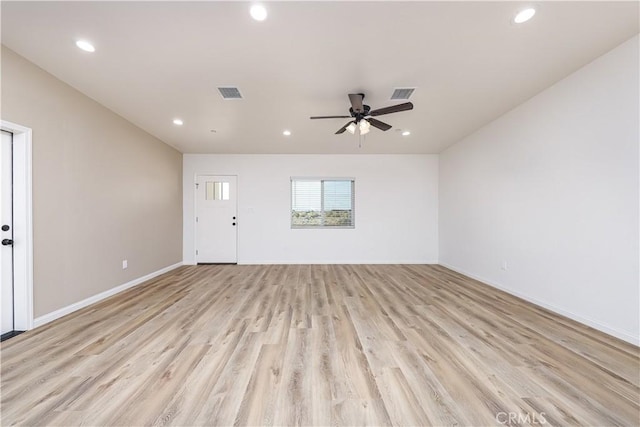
(7, 242)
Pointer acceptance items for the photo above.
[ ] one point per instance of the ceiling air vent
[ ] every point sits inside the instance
(402, 92)
(230, 92)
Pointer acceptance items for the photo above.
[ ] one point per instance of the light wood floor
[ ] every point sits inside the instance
(317, 345)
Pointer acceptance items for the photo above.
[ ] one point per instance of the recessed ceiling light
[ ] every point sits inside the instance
(178, 122)
(406, 133)
(258, 12)
(85, 45)
(524, 15)
(286, 133)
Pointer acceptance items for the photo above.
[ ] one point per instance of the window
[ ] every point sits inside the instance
(216, 190)
(318, 203)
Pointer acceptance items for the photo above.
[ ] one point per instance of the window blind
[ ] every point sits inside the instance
(322, 203)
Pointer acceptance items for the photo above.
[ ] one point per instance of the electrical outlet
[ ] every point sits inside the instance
(124, 264)
(504, 265)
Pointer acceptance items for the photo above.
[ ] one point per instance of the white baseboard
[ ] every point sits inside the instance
(623, 335)
(342, 262)
(39, 321)
(334, 262)
(339, 262)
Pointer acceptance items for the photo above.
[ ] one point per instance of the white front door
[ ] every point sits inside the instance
(216, 219)
(6, 233)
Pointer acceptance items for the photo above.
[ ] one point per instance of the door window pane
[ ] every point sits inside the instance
(216, 190)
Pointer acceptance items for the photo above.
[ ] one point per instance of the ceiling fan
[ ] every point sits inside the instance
(363, 116)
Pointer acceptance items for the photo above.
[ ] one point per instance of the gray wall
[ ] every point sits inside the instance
(103, 189)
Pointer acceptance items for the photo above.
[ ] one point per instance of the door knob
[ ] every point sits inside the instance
(7, 242)
(233, 223)
(5, 227)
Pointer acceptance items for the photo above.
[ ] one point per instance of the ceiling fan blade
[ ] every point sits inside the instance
(378, 124)
(343, 128)
(356, 102)
(392, 109)
(330, 117)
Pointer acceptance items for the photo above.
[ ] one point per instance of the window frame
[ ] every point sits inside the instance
(322, 180)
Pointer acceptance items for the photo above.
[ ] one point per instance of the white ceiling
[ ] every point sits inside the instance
(155, 61)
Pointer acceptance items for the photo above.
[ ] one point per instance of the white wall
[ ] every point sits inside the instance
(396, 208)
(552, 189)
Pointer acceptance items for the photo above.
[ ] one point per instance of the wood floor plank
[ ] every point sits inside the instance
(259, 400)
(317, 345)
(294, 404)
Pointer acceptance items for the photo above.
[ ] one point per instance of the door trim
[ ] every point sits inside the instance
(22, 226)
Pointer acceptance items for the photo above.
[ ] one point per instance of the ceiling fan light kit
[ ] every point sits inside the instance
(364, 127)
(362, 115)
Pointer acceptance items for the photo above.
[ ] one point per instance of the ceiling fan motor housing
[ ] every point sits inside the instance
(360, 116)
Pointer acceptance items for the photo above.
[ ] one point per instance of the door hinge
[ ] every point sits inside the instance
(196, 252)
(197, 185)
(196, 219)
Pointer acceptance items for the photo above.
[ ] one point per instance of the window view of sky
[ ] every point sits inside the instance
(337, 195)
(306, 195)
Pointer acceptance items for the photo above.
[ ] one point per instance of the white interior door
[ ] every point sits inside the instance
(6, 233)
(216, 219)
